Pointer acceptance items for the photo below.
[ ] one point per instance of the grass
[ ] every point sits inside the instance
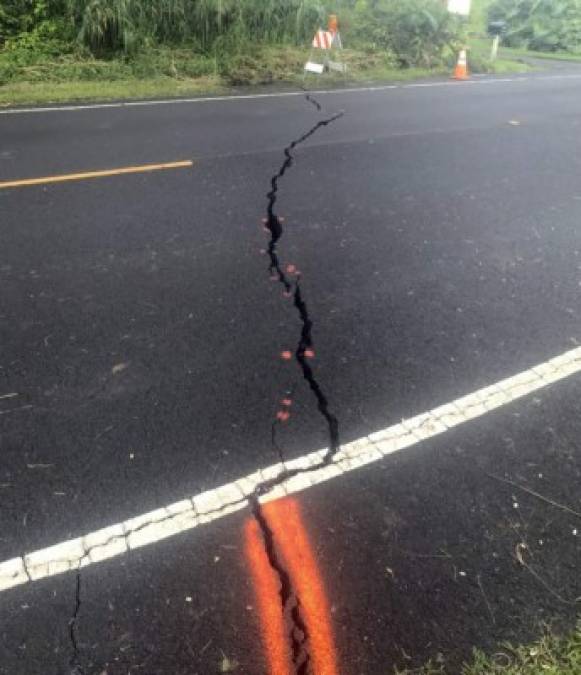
(180, 72)
(27, 93)
(512, 52)
(551, 655)
(479, 58)
(169, 74)
(114, 24)
(511, 59)
(30, 93)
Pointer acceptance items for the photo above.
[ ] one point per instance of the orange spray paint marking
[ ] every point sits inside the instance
(294, 548)
(284, 518)
(283, 416)
(310, 353)
(287, 401)
(267, 586)
(291, 269)
(286, 355)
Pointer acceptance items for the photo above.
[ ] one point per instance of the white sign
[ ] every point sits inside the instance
(314, 67)
(459, 7)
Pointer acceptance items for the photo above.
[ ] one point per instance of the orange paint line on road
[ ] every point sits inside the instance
(145, 168)
(267, 586)
(293, 545)
(284, 518)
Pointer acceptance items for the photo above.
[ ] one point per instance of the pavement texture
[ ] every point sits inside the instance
(436, 232)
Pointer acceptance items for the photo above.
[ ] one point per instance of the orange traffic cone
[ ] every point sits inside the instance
(461, 69)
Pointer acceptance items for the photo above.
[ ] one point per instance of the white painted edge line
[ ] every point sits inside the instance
(208, 506)
(282, 94)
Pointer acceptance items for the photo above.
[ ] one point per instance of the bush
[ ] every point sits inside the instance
(124, 25)
(544, 25)
(417, 32)
(42, 42)
(8, 71)
(61, 40)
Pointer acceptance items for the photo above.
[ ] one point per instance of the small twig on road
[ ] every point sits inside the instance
(518, 552)
(105, 430)
(563, 507)
(443, 555)
(479, 581)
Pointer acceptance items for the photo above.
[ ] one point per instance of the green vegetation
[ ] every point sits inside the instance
(55, 50)
(479, 60)
(551, 655)
(417, 29)
(479, 16)
(523, 20)
(541, 25)
(514, 52)
(163, 73)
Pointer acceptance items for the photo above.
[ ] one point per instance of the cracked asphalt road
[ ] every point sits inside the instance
(439, 251)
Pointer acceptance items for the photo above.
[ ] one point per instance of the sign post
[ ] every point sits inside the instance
(330, 42)
(494, 51)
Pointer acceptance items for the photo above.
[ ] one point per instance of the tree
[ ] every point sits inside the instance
(545, 25)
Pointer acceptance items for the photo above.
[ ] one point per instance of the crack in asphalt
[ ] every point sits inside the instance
(75, 662)
(312, 100)
(77, 562)
(274, 225)
(422, 425)
(290, 602)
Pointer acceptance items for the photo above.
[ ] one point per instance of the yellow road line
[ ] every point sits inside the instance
(94, 174)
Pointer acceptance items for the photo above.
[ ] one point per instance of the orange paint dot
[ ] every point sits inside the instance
(283, 416)
(291, 269)
(286, 355)
(310, 353)
(287, 401)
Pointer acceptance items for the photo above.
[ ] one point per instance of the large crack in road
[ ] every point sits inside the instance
(291, 283)
(290, 602)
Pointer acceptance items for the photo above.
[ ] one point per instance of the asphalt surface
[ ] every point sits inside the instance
(437, 232)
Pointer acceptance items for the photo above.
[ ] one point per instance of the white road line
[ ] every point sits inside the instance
(206, 507)
(282, 94)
